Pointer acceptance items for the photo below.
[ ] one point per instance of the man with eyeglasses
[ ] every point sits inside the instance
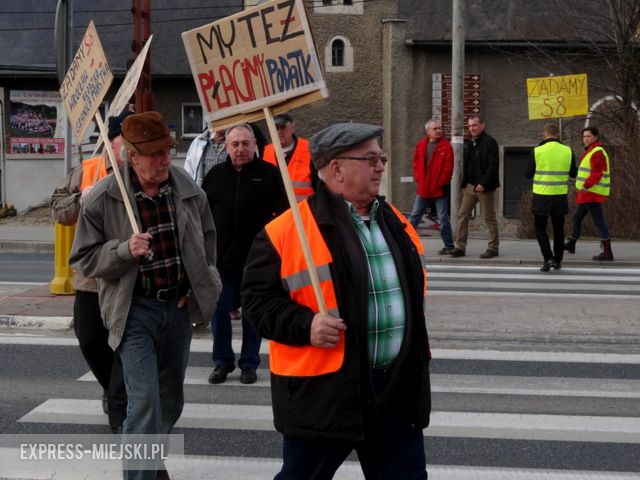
(358, 376)
(432, 171)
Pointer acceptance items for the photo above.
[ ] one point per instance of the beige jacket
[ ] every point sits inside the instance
(101, 248)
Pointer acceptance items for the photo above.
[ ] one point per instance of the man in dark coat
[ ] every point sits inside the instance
(244, 194)
(355, 374)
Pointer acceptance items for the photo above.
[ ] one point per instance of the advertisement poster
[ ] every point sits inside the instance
(37, 123)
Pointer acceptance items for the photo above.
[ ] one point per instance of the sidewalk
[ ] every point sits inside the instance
(35, 307)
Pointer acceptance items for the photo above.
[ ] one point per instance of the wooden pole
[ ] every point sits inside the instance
(116, 173)
(304, 242)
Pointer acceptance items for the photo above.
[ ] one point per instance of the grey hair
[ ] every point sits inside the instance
(246, 126)
(432, 120)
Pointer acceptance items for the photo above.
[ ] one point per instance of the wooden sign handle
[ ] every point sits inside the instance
(116, 173)
(304, 242)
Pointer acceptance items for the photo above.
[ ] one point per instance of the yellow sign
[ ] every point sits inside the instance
(86, 82)
(261, 57)
(556, 97)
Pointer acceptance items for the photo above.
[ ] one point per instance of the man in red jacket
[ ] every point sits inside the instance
(593, 185)
(432, 171)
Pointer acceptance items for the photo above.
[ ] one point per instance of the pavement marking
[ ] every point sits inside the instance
(28, 284)
(200, 345)
(27, 321)
(565, 270)
(571, 428)
(468, 384)
(538, 278)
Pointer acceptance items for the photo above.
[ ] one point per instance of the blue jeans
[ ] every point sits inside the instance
(442, 208)
(392, 450)
(597, 214)
(154, 352)
(221, 326)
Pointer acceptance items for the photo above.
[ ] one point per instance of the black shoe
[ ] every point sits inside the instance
(248, 376)
(456, 252)
(489, 254)
(570, 245)
(117, 430)
(546, 266)
(162, 475)
(219, 374)
(105, 403)
(556, 265)
(446, 251)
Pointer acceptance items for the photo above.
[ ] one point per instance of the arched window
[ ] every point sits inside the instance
(337, 53)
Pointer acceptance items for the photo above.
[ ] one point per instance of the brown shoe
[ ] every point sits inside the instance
(489, 254)
(445, 251)
(456, 252)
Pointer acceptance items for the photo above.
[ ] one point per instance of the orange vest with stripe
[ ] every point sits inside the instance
(309, 360)
(93, 169)
(299, 167)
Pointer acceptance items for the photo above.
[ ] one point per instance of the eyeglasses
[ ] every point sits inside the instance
(372, 159)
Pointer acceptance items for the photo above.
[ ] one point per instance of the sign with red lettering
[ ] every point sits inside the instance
(261, 57)
(86, 82)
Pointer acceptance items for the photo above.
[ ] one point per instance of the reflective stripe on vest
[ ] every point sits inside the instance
(299, 167)
(553, 162)
(603, 187)
(93, 169)
(308, 360)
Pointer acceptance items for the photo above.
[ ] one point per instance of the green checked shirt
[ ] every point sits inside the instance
(386, 302)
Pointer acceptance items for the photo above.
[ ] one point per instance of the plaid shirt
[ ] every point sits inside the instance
(213, 154)
(386, 301)
(163, 268)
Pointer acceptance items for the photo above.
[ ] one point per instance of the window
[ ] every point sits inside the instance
(338, 7)
(347, 2)
(326, 3)
(192, 120)
(338, 55)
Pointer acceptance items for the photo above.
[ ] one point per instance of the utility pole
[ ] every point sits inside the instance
(141, 10)
(63, 40)
(457, 105)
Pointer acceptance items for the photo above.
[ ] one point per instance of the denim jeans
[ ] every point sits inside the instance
(221, 326)
(442, 208)
(154, 352)
(597, 214)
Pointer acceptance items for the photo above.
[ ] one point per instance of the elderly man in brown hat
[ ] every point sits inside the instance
(358, 376)
(152, 285)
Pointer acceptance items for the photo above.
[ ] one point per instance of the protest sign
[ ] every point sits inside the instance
(261, 57)
(557, 97)
(127, 89)
(86, 82)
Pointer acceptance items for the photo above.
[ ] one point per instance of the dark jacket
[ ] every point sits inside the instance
(242, 203)
(481, 162)
(340, 405)
(549, 205)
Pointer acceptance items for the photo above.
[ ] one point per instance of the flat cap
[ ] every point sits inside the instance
(327, 144)
(283, 118)
(147, 133)
(115, 123)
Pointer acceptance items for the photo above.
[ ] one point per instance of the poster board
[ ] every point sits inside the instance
(37, 123)
(86, 83)
(557, 97)
(261, 57)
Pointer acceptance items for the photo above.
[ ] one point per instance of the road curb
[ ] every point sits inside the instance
(35, 322)
(26, 246)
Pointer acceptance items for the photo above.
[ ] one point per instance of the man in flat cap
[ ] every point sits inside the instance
(87, 324)
(358, 377)
(152, 285)
(296, 154)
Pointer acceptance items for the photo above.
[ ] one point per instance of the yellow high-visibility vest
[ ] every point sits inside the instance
(603, 187)
(553, 162)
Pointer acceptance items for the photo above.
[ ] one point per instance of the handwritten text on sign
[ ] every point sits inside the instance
(86, 82)
(554, 97)
(257, 58)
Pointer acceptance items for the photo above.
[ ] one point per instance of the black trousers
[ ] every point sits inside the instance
(557, 222)
(105, 365)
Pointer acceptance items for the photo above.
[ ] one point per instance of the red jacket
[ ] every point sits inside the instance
(438, 172)
(598, 166)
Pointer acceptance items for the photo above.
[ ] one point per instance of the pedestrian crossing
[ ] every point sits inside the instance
(498, 415)
(574, 281)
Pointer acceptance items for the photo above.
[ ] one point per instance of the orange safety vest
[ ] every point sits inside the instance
(309, 360)
(299, 167)
(93, 169)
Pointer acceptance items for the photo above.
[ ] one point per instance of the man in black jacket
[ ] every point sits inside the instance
(244, 194)
(357, 376)
(480, 179)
